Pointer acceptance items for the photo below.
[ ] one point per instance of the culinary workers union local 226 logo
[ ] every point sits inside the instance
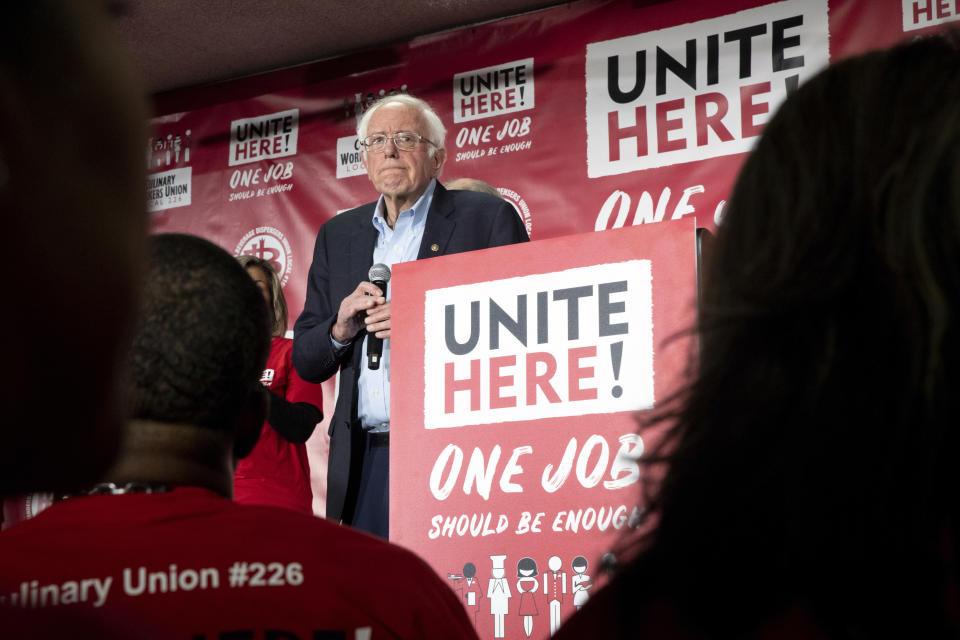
(520, 205)
(268, 243)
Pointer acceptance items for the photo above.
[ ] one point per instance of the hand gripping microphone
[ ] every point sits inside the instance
(379, 276)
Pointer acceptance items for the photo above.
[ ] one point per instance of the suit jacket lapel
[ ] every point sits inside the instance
(362, 243)
(439, 226)
(363, 240)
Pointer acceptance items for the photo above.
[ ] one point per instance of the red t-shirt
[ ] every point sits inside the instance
(277, 472)
(192, 564)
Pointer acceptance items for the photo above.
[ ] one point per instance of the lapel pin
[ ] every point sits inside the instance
(434, 247)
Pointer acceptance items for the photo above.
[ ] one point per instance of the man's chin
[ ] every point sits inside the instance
(395, 191)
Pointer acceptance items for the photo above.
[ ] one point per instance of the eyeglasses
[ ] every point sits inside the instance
(403, 140)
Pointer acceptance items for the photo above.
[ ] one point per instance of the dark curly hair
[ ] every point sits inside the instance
(203, 335)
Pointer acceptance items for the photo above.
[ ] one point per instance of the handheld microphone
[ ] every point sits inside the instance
(379, 276)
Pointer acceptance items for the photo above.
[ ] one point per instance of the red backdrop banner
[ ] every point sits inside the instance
(588, 116)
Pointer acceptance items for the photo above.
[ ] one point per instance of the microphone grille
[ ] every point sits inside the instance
(379, 272)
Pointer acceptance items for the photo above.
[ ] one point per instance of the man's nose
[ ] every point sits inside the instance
(390, 149)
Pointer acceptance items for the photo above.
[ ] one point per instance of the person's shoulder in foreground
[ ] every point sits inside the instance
(222, 567)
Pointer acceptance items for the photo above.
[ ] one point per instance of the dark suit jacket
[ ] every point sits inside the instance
(457, 221)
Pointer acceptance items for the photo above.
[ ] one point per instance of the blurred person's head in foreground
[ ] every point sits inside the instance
(72, 200)
(812, 472)
(198, 352)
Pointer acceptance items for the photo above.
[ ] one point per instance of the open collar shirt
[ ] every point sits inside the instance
(400, 244)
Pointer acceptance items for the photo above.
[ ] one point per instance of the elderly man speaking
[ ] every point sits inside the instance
(414, 218)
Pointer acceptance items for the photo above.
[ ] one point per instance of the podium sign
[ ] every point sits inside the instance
(517, 374)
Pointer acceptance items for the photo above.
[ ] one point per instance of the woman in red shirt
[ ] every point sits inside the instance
(277, 472)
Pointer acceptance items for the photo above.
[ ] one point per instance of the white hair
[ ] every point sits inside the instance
(436, 132)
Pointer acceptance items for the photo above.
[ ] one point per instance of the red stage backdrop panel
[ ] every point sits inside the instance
(591, 115)
(514, 426)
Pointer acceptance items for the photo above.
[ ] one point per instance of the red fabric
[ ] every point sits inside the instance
(277, 472)
(350, 581)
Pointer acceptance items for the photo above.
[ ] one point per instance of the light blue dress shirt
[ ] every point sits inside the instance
(400, 244)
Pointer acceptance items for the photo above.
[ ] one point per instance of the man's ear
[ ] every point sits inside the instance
(439, 157)
(250, 422)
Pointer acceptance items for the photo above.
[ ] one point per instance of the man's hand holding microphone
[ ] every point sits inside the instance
(367, 307)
